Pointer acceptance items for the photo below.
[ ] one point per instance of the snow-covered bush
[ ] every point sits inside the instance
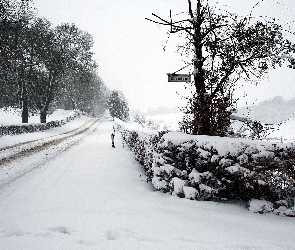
(260, 206)
(203, 167)
(263, 206)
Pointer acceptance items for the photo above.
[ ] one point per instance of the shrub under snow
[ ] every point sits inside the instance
(34, 127)
(203, 168)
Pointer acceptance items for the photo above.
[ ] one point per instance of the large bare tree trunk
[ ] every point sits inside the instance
(200, 109)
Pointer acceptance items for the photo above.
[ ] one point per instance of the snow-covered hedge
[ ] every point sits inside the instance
(29, 128)
(203, 168)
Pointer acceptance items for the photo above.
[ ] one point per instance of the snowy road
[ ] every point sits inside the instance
(92, 196)
(26, 148)
(21, 154)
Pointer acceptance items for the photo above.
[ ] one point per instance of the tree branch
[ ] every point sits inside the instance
(222, 81)
(190, 9)
(176, 27)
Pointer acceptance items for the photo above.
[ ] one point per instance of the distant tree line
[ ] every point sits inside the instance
(43, 66)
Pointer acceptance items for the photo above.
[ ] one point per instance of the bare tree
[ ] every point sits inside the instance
(224, 48)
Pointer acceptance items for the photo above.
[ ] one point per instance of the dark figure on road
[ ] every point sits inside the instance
(113, 139)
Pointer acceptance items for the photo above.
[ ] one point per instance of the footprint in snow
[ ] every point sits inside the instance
(15, 233)
(87, 243)
(113, 234)
(61, 229)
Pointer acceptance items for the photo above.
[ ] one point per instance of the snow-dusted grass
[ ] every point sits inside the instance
(94, 196)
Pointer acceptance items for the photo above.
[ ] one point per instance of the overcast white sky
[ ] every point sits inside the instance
(129, 49)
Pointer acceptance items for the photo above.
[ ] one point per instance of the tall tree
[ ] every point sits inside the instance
(34, 45)
(223, 48)
(70, 50)
(118, 105)
(83, 89)
(39, 63)
(14, 19)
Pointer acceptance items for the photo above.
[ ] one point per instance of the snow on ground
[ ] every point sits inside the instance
(12, 116)
(93, 196)
(10, 140)
(283, 132)
(170, 120)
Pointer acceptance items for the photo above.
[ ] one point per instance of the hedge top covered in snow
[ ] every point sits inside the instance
(224, 145)
(207, 167)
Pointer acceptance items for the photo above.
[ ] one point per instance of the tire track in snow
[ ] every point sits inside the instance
(54, 147)
(25, 149)
(41, 139)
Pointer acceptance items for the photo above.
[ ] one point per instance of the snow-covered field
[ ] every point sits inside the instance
(88, 195)
(282, 132)
(167, 120)
(12, 116)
